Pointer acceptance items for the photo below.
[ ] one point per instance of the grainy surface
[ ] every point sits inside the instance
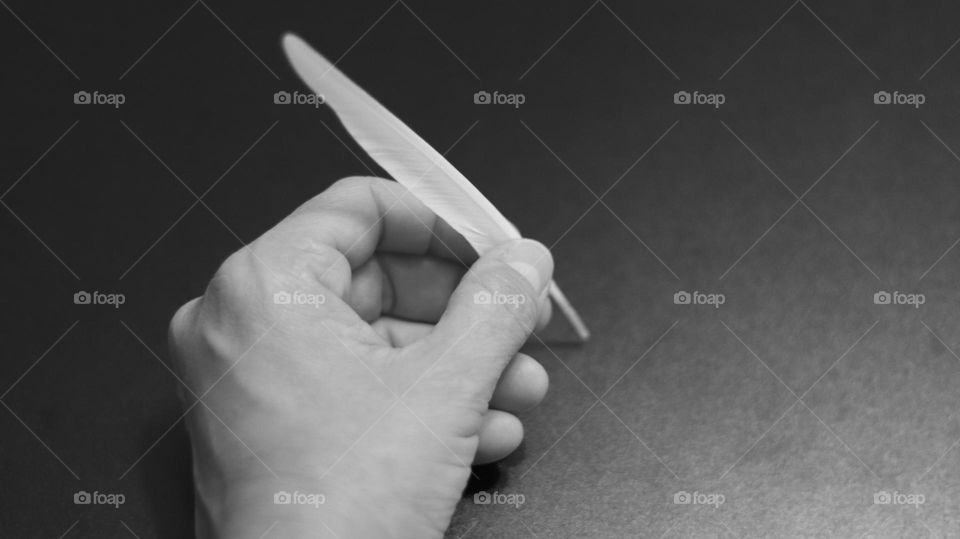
(797, 400)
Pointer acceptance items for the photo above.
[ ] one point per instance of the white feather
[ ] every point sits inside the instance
(410, 160)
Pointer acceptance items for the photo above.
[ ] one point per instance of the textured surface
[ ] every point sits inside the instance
(797, 400)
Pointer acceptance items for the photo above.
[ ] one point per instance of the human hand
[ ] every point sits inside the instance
(375, 383)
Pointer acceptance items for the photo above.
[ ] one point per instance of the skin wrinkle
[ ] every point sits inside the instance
(388, 292)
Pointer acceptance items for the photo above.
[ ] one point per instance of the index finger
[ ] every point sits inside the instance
(357, 217)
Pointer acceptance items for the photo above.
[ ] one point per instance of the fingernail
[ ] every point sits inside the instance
(532, 260)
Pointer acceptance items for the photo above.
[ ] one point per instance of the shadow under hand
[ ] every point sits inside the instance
(486, 477)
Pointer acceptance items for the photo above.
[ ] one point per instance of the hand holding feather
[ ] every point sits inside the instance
(412, 162)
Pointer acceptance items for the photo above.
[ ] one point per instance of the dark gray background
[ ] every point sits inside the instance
(711, 402)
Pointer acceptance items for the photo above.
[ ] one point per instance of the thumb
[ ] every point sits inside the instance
(494, 309)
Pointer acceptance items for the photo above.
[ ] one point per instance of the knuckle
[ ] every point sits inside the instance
(181, 324)
(232, 307)
(232, 280)
(315, 264)
(351, 185)
(241, 290)
(355, 182)
(344, 188)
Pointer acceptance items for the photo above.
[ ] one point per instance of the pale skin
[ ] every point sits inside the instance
(376, 386)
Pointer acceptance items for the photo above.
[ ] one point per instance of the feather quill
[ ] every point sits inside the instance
(411, 161)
